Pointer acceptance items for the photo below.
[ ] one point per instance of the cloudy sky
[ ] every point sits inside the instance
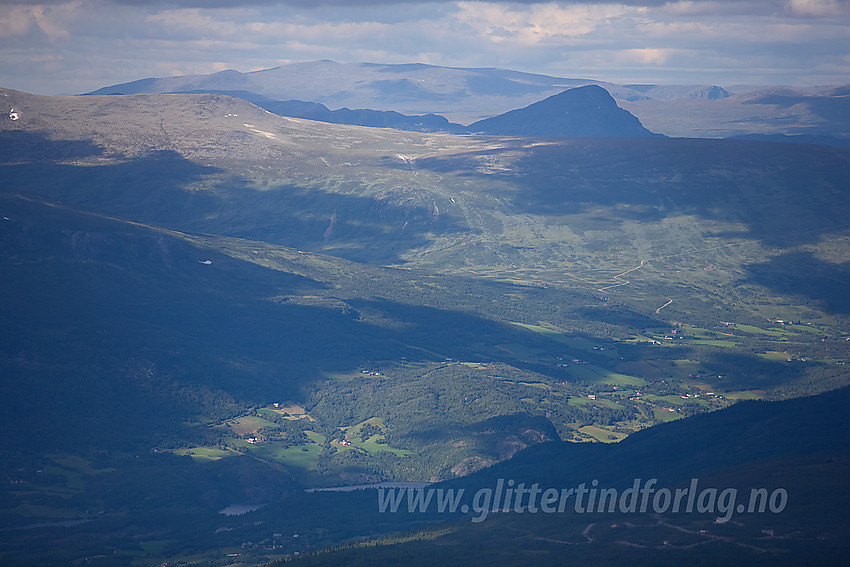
(63, 47)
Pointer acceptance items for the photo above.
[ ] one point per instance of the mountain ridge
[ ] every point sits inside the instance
(467, 95)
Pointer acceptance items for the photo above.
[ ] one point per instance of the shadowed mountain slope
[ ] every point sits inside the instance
(583, 112)
(797, 450)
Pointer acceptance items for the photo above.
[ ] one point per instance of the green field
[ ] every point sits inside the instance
(664, 414)
(247, 424)
(205, 453)
(759, 331)
(602, 434)
(353, 434)
(301, 456)
(596, 375)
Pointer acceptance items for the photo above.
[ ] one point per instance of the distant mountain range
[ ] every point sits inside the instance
(467, 95)
(409, 89)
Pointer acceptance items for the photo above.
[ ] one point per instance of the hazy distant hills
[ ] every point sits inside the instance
(464, 96)
(790, 111)
(409, 89)
(581, 112)
(672, 92)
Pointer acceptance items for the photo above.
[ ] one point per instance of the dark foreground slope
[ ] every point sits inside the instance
(797, 449)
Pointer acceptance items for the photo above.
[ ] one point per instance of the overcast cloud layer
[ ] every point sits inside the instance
(58, 47)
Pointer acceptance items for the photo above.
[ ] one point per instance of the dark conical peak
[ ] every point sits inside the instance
(587, 94)
(587, 111)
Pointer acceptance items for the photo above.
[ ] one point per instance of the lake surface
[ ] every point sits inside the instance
(352, 487)
(62, 524)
